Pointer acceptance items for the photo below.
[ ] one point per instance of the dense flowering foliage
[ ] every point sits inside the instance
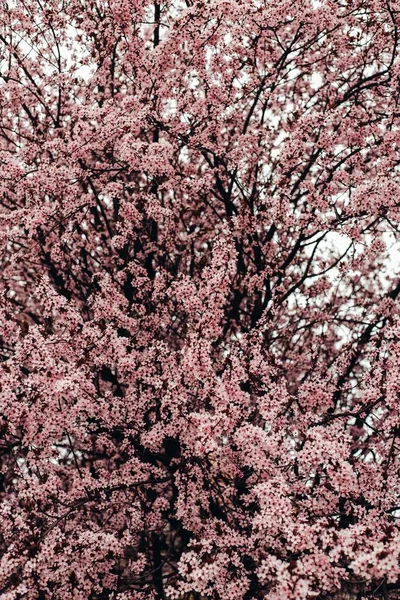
(199, 299)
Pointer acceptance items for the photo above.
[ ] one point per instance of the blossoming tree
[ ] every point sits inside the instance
(200, 322)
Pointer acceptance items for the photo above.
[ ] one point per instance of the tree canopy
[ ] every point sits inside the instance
(199, 281)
